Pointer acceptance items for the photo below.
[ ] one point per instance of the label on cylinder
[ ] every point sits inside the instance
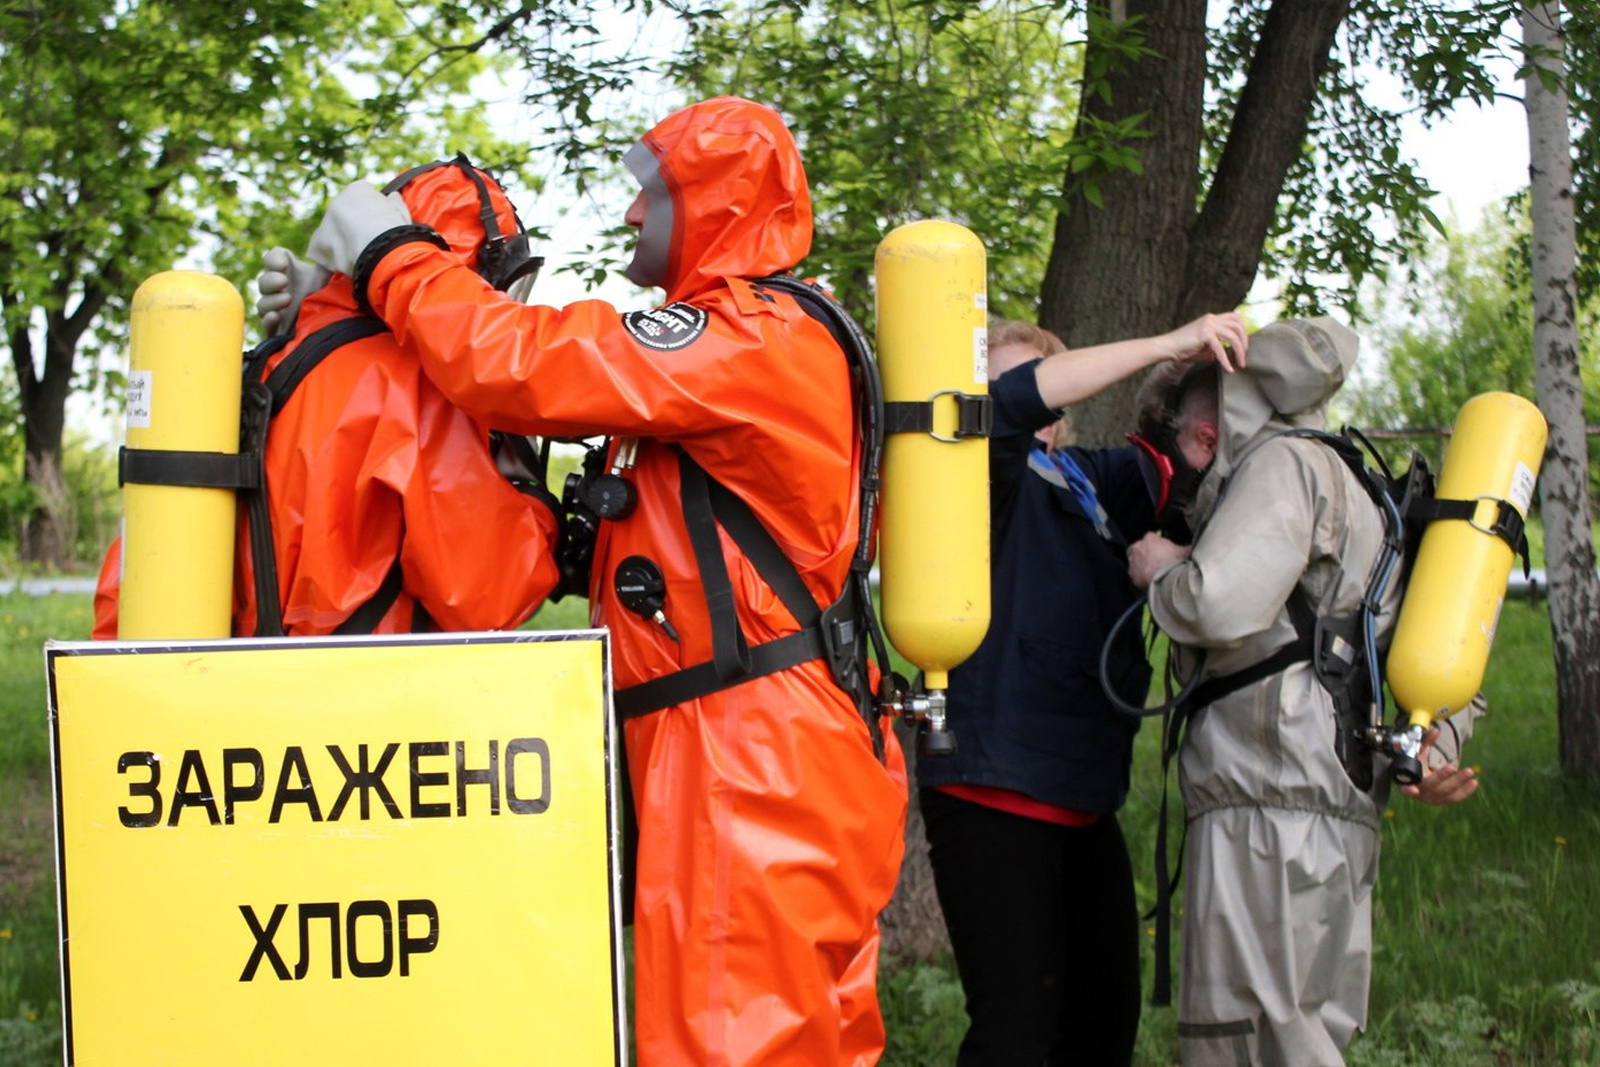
(1522, 480)
(980, 356)
(140, 384)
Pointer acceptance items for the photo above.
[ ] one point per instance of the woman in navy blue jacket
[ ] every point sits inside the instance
(1029, 861)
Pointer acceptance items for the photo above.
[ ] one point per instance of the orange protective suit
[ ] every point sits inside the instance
(368, 460)
(770, 834)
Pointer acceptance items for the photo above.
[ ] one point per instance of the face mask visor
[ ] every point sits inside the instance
(1172, 484)
(507, 264)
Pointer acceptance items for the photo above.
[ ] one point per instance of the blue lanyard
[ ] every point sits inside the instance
(1058, 467)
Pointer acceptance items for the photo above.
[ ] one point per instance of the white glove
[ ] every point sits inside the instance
(358, 215)
(285, 280)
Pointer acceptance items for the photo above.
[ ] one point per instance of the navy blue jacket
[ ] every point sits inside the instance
(1026, 708)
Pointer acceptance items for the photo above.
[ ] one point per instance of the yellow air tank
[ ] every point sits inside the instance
(932, 354)
(187, 337)
(1458, 583)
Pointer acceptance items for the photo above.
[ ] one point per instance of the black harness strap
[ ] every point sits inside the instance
(1508, 524)
(1166, 878)
(255, 415)
(756, 543)
(198, 470)
(263, 400)
(707, 503)
(702, 679)
(730, 652)
(287, 376)
(365, 618)
(1299, 650)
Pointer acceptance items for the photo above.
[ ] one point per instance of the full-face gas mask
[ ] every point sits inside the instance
(1169, 476)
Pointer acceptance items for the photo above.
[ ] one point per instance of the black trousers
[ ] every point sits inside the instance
(1046, 935)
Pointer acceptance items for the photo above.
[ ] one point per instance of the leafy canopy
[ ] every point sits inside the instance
(1460, 323)
(906, 110)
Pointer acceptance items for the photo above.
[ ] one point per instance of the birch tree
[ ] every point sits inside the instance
(1564, 480)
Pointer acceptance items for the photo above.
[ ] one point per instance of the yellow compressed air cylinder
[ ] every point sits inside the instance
(934, 541)
(187, 336)
(1458, 583)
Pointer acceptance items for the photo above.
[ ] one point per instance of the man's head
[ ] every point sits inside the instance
(1177, 432)
(724, 194)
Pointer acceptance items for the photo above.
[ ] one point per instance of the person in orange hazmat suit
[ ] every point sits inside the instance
(770, 812)
(384, 497)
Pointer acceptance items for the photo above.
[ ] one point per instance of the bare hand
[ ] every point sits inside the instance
(1445, 784)
(1221, 338)
(1150, 555)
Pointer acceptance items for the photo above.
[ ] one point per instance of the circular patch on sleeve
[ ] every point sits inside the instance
(668, 328)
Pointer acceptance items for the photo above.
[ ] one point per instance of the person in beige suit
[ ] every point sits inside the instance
(1282, 847)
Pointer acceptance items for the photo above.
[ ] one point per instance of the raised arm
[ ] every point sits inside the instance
(1079, 373)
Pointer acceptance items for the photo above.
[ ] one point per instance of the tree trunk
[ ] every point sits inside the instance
(1148, 261)
(1564, 481)
(913, 923)
(47, 534)
(50, 530)
(1116, 271)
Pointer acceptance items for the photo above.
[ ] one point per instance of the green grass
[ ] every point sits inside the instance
(1487, 916)
(30, 1022)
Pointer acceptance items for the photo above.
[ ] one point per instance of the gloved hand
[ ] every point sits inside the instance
(353, 220)
(285, 280)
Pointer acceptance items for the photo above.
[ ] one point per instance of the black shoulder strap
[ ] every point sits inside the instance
(287, 376)
(262, 401)
(851, 622)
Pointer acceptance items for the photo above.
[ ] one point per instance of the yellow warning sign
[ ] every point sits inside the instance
(387, 851)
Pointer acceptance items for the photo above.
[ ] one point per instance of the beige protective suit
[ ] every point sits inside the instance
(1282, 848)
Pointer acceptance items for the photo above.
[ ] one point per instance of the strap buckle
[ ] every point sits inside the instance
(974, 415)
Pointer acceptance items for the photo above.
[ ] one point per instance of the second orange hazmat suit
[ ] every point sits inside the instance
(770, 833)
(368, 462)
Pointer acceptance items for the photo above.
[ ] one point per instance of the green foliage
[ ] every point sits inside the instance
(1352, 177)
(140, 133)
(1099, 146)
(143, 135)
(30, 1014)
(31, 1039)
(90, 472)
(1460, 324)
(25, 623)
(30, 1019)
(93, 503)
(1583, 99)
(1483, 911)
(17, 497)
(924, 1013)
(907, 110)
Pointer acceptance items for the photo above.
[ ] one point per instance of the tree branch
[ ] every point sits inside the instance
(1267, 137)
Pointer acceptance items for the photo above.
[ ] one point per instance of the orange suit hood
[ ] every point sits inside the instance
(726, 194)
(447, 198)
